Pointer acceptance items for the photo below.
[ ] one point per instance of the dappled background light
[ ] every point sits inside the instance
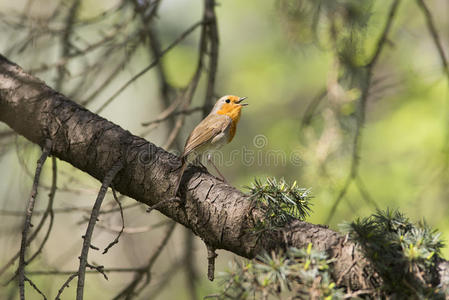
(304, 66)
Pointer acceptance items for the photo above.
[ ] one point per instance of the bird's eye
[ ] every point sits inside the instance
(228, 100)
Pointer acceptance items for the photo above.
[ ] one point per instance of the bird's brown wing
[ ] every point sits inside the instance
(205, 131)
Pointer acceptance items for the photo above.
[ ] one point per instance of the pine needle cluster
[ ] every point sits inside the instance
(299, 272)
(404, 254)
(280, 201)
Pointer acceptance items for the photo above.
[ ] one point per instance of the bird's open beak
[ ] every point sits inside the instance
(240, 100)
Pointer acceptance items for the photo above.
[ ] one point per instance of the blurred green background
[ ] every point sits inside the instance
(270, 53)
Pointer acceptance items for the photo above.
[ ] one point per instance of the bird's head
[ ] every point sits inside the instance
(229, 105)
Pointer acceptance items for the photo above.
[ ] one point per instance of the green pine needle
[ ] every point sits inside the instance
(404, 254)
(299, 272)
(280, 201)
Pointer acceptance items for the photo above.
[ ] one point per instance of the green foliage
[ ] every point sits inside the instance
(404, 254)
(301, 272)
(280, 202)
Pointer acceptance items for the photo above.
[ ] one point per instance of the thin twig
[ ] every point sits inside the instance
(189, 92)
(145, 271)
(99, 269)
(65, 284)
(147, 17)
(63, 273)
(435, 36)
(115, 241)
(49, 210)
(90, 48)
(211, 255)
(134, 230)
(66, 43)
(110, 175)
(166, 277)
(113, 74)
(146, 69)
(311, 108)
(67, 210)
(364, 192)
(187, 99)
(438, 44)
(174, 114)
(28, 215)
(34, 286)
(167, 92)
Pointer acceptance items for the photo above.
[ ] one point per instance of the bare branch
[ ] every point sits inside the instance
(90, 228)
(189, 91)
(65, 284)
(113, 74)
(28, 215)
(435, 36)
(115, 241)
(165, 117)
(145, 271)
(146, 69)
(133, 230)
(211, 255)
(34, 286)
(66, 44)
(64, 273)
(99, 269)
(147, 12)
(48, 211)
(312, 107)
(66, 210)
(166, 277)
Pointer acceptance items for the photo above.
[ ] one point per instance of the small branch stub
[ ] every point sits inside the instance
(211, 255)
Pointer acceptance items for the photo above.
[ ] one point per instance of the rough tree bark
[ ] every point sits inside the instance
(218, 213)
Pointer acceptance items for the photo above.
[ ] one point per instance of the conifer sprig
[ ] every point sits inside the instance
(282, 202)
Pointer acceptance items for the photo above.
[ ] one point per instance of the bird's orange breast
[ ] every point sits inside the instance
(233, 111)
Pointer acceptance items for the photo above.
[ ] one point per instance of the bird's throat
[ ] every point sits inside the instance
(234, 113)
(231, 111)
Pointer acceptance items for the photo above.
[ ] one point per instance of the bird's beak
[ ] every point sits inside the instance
(240, 100)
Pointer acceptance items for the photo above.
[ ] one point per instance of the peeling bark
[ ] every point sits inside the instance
(216, 212)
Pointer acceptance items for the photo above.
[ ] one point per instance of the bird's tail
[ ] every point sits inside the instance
(181, 172)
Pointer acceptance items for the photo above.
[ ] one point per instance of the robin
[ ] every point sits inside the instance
(214, 131)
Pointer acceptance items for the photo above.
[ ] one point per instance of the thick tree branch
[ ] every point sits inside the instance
(218, 213)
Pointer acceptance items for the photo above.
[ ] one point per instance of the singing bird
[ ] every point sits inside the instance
(214, 131)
